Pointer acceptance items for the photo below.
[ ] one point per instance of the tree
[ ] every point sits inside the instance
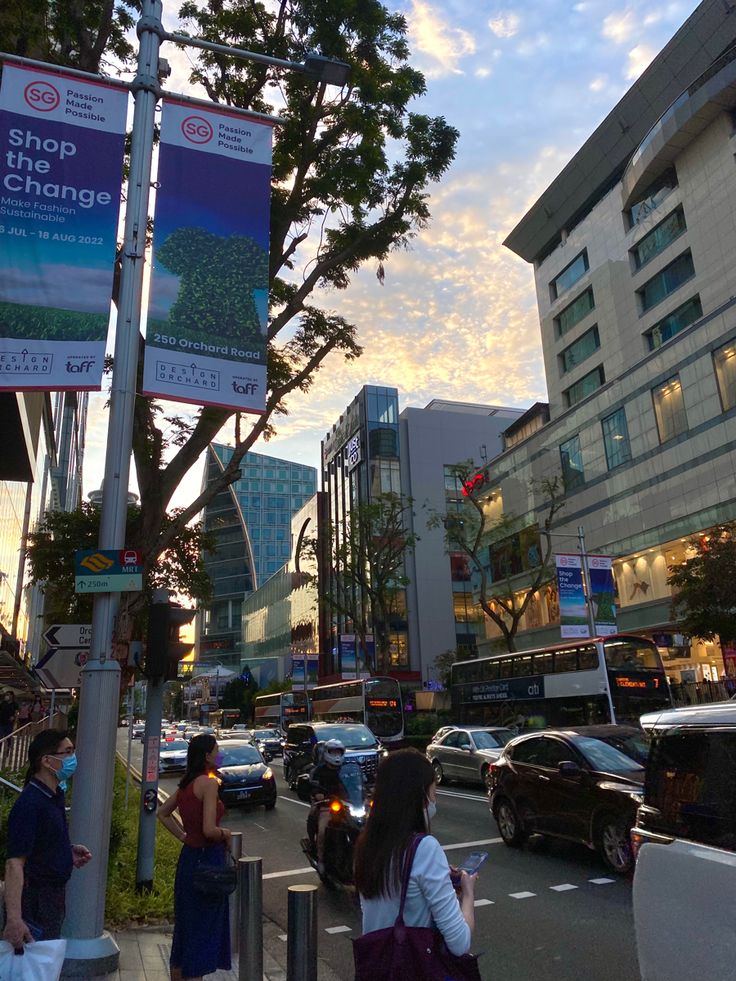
(368, 555)
(239, 694)
(491, 546)
(704, 586)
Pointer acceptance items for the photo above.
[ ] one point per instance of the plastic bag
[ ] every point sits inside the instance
(40, 961)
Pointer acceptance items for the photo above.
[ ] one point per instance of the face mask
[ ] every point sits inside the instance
(66, 770)
(219, 759)
(430, 809)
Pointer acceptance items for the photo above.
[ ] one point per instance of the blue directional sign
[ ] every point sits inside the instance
(103, 570)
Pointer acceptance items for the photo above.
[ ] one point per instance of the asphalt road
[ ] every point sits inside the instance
(549, 911)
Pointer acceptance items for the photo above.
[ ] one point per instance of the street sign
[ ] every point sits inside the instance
(69, 635)
(62, 666)
(105, 570)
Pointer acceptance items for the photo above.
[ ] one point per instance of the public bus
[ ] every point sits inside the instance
(582, 682)
(223, 718)
(280, 709)
(376, 702)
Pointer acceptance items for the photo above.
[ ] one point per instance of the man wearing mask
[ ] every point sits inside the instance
(40, 856)
(8, 712)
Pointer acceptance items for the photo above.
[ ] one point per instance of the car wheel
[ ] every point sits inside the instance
(509, 824)
(614, 844)
(439, 776)
(270, 806)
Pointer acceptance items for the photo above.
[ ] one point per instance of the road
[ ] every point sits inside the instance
(549, 911)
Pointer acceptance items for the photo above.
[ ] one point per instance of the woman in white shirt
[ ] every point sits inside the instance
(403, 806)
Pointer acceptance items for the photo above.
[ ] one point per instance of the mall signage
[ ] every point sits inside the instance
(208, 310)
(61, 161)
(573, 606)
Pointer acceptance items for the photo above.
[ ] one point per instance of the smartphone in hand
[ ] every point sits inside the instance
(472, 862)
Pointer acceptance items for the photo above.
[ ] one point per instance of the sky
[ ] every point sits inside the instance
(525, 82)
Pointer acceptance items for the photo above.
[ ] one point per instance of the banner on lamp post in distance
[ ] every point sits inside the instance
(61, 160)
(573, 606)
(208, 308)
(602, 594)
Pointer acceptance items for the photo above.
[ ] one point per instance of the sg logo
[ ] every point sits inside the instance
(42, 96)
(197, 130)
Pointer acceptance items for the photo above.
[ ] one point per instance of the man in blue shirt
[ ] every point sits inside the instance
(40, 856)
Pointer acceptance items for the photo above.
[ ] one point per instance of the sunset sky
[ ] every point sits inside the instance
(525, 82)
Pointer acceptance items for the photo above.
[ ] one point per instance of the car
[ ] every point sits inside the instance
(304, 738)
(466, 753)
(245, 776)
(568, 783)
(239, 727)
(172, 757)
(684, 840)
(442, 732)
(630, 740)
(269, 741)
(138, 731)
(189, 732)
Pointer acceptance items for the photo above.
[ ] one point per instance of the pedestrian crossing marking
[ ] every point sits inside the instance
(563, 887)
(483, 902)
(601, 882)
(522, 895)
(282, 936)
(338, 929)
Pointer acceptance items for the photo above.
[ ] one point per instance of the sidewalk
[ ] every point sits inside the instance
(144, 956)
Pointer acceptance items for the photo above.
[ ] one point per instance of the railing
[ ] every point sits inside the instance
(699, 693)
(14, 748)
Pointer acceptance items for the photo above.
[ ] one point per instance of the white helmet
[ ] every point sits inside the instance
(334, 751)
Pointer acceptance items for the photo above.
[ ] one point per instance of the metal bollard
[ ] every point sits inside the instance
(236, 850)
(250, 941)
(301, 934)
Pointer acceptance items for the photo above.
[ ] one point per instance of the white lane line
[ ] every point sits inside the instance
(292, 801)
(283, 875)
(483, 902)
(522, 895)
(338, 929)
(601, 882)
(454, 793)
(564, 887)
(472, 844)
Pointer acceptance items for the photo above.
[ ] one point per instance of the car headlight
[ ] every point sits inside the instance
(268, 773)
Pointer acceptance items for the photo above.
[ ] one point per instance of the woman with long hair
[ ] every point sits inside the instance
(403, 807)
(201, 942)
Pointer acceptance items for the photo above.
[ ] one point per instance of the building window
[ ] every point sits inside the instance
(586, 386)
(574, 312)
(571, 459)
(616, 439)
(725, 362)
(669, 409)
(652, 197)
(587, 344)
(680, 318)
(667, 281)
(569, 275)
(659, 238)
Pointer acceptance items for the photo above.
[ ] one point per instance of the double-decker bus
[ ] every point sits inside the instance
(223, 718)
(582, 682)
(280, 709)
(376, 702)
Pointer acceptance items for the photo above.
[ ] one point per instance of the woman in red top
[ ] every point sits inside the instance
(201, 942)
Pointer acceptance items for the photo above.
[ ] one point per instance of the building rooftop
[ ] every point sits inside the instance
(475, 408)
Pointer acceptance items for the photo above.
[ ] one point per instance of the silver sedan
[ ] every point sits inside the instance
(466, 753)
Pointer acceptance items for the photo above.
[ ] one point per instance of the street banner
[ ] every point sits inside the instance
(573, 608)
(602, 594)
(301, 663)
(61, 160)
(348, 656)
(208, 306)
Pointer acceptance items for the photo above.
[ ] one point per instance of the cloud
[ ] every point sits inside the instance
(482, 72)
(639, 58)
(598, 84)
(442, 43)
(619, 27)
(505, 24)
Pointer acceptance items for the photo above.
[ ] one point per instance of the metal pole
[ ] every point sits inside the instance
(149, 786)
(100, 690)
(301, 934)
(250, 887)
(591, 618)
(236, 850)
(131, 694)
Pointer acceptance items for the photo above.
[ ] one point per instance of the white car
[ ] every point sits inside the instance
(173, 757)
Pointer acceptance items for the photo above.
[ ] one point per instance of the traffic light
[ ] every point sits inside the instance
(164, 649)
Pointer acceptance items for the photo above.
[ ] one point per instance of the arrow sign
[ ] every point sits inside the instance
(69, 635)
(61, 667)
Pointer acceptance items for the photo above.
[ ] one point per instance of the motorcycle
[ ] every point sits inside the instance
(348, 814)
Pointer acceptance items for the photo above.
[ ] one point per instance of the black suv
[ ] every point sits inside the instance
(303, 738)
(568, 784)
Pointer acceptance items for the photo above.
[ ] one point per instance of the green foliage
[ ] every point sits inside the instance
(704, 586)
(442, 664)
(239, 694)
(19, 320)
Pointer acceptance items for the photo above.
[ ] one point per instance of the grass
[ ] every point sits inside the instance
(50, 323)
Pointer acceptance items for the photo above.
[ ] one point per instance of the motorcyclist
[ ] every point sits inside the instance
(324, 786)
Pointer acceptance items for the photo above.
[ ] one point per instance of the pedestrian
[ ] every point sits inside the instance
(40, 856)
(36, 710)
(201, 941)
(403, 807)
(8, 712)
(24, 714)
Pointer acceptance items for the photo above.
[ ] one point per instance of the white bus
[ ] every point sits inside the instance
(280, 709)
(376, 702)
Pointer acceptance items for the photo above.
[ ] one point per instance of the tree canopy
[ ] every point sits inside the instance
(704, 586)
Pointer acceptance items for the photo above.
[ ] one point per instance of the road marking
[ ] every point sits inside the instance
(522, 895)
(563, 888)
(472, 844)
(282, 936)
(601, 882)
(339, 929)
(292, 801)
(454, 793)
(282, 875)
(483, 902)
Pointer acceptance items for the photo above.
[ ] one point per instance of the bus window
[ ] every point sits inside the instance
(523, 665)
(632, 652)
(566, 661)
(543, 663)
(490, 670)
(506, 667)
(587, 658)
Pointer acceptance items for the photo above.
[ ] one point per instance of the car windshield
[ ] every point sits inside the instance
(601, 756)
(239, 755)
(491, 740)
(266, 734)
(636, 746)
(352, 737)
(175, 746)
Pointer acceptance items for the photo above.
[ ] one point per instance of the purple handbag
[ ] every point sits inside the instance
(402, 953)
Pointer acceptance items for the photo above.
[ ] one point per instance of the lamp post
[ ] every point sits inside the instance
(90, 950)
